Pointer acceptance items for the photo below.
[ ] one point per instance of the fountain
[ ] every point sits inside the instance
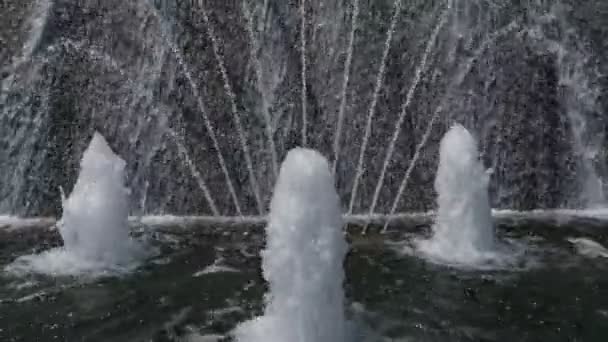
(94, 226)
(210, 95)
(302, 261)
(463, 230)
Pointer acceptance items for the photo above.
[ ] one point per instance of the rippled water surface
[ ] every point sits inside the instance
(200, 287)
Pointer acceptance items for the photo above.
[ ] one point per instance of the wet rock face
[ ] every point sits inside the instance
(13, 17)
(148, 77)
(541, 142)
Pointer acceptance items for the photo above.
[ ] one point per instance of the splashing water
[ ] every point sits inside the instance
(94, 226)
(303, 258)
(463, 230)
(372, 109)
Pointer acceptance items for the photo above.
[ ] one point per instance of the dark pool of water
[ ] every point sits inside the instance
(562, 296)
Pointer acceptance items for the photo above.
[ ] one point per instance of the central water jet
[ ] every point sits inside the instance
(302, 262)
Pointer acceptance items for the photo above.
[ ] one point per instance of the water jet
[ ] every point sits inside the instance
(94, 226)
(302, 261)
(463, 231)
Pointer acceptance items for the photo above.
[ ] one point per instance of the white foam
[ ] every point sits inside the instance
(9, 223)
(589, 248)
(59, 262)
(600, 214)
(172, 220)
(16, 222)
(303, 258)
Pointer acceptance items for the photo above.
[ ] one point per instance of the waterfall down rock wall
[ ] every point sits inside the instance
(203, 99)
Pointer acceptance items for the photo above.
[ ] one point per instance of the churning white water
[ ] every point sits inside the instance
(303, 258)
(463, 232)
(94, 226)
